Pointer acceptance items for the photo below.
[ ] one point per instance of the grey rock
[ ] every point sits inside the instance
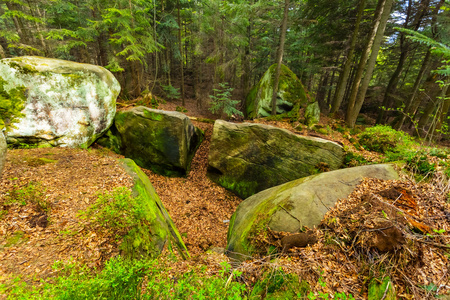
(64, 103)
(290, 206)
(248, 158)
(163, 141)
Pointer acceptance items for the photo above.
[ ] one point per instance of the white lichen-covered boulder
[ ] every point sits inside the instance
(63, 103)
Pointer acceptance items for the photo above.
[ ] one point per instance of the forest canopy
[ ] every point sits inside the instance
(388, 59)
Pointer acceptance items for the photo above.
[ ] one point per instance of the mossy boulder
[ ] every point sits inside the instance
(163, 141)
(248, 158)
(290, 97)
(149, 239)
(3, 148)
(293, 205)
(58, 102)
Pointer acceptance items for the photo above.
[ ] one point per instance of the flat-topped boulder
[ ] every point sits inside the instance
(291, 206)
(248, 158)
(62, 103)
(162, 141)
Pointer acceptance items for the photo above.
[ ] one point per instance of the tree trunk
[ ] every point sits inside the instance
(18, 24)
(322, 91)
(280, 56)
(404, 51)
(445, 104)
(181, 53)
(344, 77)
(373, 46)
(413, 102)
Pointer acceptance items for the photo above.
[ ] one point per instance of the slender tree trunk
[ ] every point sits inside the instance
(413, 101)
(344, 77)
(445, 107)
(18, 24)
(181, 53)
(404, 51)
(373, 46)
(280, 56)
(321, 90)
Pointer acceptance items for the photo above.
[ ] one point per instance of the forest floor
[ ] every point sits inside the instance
(59, 182)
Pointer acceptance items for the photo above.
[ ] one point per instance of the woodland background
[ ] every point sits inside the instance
(352, 55)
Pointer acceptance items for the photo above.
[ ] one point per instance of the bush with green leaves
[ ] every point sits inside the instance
(130, 279)
(117, 211)
(33, 192)
(384, 139)
(171, 92)
(221, 101)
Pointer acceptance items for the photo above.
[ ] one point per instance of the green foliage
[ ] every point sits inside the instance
(181, 109)
(221, 101)
(382, 139)
(33, 193)
(171, 92)
(130, 279)
(352, 159)
(117, 211)
(437, 48)
(275, 284)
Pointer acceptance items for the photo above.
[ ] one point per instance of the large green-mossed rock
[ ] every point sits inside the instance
(290, 206)
(163, 141)
(291, 94)
(60, 103)
(248, 158)
(3, 148)
(149, 238)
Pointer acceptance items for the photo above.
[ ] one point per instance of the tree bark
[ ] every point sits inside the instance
(404, 51)
(413, 102)
(344, 77)
(280, 56)
(373, 46)
(181, 53)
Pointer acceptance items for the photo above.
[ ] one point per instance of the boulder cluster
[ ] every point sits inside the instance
(69, 104)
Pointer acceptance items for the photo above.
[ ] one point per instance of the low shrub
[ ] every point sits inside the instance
(129, 279)
(382, 139)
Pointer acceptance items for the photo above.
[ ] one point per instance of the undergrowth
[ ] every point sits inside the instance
(117, 211)
(395, 145)
(32, 193)
(129, 279)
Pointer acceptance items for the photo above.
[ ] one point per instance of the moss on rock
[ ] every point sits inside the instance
(158, 231)
(293, 205)
(62, 103)
(291, 94)
(248, 158)
(162, 141)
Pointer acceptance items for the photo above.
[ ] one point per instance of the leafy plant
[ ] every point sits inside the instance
(221, 101)
(382, 139)
(130, 279)
(171, 92)
(117, 211)
(33, 193)
(181, 109)
(352, 159)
